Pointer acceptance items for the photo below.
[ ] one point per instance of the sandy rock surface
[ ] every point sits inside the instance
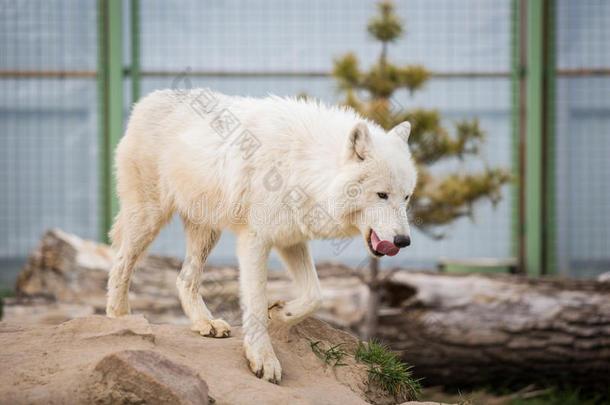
(106, 361)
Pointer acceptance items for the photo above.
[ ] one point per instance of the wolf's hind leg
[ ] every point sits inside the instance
(200, 241)
(299, 263)
(134, 230)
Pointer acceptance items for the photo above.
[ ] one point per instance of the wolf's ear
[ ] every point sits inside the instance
(403, 130)
(358, 142)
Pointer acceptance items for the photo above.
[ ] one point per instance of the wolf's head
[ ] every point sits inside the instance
(378, 178)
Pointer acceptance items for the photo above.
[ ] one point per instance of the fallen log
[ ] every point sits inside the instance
(470, 329)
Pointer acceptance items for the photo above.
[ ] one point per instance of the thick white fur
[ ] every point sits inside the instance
(172, 160)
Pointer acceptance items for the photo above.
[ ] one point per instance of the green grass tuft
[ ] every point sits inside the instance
(331, 356)
(386, 370)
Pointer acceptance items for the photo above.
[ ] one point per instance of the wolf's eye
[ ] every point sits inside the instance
(407, 198)
(383, 196)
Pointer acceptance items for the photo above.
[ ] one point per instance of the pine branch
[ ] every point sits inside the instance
(441, 200)
(346, 71)
(388, 26)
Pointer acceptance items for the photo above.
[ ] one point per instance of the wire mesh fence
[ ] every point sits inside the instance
(49, 173)
(48, 122)
(582, 148)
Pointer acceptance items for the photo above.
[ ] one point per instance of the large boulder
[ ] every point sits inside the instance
(145, 376)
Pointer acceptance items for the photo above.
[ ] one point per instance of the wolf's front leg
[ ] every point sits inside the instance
(299, 263)
(253, 253)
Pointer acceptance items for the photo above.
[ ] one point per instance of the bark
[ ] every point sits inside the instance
(459, 330)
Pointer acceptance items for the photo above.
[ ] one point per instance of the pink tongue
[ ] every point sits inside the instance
(383, 246)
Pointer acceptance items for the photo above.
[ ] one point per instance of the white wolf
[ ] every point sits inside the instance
(277, 172)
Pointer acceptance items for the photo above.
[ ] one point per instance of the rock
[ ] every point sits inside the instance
(144, 376)
(98, 327)
(95, 359)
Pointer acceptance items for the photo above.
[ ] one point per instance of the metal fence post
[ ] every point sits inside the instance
(549, 257)
(538, 163)
(533, 148)
(110, 87)
(518, 77)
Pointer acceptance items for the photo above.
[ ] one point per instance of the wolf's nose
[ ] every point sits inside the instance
(402, 241)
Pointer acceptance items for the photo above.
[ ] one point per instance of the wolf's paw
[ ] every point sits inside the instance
(117, 312)
(211, 328)
(279, 312)
(263, 362)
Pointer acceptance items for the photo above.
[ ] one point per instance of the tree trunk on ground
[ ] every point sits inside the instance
(459, 330)
(369, 329)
